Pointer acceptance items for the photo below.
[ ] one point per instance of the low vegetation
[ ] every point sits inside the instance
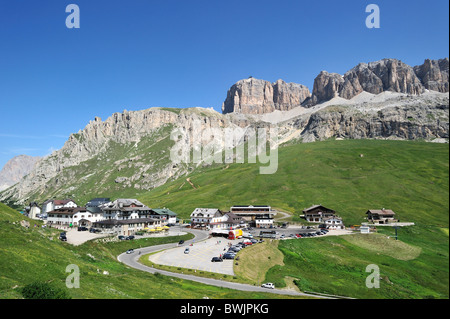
(350, 176)
(337, 265)
(256, 260)
(411, 178)
(33, 263)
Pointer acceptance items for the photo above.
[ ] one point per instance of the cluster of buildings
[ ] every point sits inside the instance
(328, 217)
(122, 216)
(128, 216)
(238, 217)
(323, 215)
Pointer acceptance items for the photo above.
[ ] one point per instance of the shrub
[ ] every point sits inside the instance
(43, 290)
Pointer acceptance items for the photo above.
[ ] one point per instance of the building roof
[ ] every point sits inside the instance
(380, 212)
(68, 210)
(115, 222)
(125, 204)
(164, 211)
(62, 202)
(205, 212)
(97, 202)
(314, 207)
(232, 218)
(251, 207)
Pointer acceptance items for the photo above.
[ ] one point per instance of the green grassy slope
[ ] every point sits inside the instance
(337, 265)
(411, 178)
(34, 254)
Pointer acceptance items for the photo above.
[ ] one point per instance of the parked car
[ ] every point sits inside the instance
(229, 256)
(130, 237)
(130, 251)
(181, 242)
(216, 259)
(121, 237)
(63, 237)
(82, 228)
(186, 251)
(254, 241)
(268, 285)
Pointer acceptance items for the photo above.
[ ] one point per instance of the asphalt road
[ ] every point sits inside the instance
(131, 260)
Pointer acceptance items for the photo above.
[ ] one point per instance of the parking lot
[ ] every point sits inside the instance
(293, 230)
(199, 256)
(201, 253)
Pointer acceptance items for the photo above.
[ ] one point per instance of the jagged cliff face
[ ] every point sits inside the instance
(253, 96)
(434, 74)
(128, 153)
(129, 150)
(15, 169)
(374, 77)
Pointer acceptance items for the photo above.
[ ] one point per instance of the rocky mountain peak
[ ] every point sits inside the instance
(15, 169)
(255, 96)
(434, 74)
(373, 77)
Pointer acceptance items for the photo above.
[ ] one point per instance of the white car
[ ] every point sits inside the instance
(268, 285)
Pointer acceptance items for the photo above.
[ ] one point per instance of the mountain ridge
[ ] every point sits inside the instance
(128, 153)
(255, 96)
(16, 168)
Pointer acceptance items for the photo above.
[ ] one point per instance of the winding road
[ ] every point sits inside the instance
(131, 260)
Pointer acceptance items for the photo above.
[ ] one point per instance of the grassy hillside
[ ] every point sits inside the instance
(409, 267)
(411, 178)
(35, 254)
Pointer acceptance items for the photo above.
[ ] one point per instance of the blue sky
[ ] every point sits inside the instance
(140, 53)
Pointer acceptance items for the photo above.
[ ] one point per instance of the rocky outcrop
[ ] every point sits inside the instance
(289, 95)
(326, 86)
(402, 123)
(123, 131)
(434, 74)
(254, 96)
(374, 77)
(15, 169)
